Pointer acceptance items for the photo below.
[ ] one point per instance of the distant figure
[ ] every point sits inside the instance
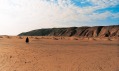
(27, 40)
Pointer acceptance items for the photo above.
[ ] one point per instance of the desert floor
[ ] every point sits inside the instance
(58, 55)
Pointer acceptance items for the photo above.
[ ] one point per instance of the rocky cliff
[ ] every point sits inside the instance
(96, 31)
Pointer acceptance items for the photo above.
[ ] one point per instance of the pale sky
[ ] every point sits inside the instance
(17, 16)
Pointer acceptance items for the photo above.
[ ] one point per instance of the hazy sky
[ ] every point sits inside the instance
(18, 16)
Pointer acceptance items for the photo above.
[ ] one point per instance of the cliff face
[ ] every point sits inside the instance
(97, 31)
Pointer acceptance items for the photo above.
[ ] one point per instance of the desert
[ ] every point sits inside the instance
(59, 35)
(49, 53)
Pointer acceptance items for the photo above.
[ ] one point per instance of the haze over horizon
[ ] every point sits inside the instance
(17, 16)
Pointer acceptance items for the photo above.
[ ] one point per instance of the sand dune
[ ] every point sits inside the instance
(58, 54)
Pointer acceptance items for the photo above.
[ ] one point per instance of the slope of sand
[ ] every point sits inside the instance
(54, 54)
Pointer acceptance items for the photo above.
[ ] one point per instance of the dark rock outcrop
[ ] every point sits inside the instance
(96, 31)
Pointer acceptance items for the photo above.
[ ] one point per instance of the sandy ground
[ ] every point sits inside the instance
(58, 55)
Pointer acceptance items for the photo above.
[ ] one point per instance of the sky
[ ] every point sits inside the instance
(17, 16)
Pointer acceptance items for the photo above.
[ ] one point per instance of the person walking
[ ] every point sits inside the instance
(27, 40)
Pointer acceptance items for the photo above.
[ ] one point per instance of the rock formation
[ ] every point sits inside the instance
(96, 31)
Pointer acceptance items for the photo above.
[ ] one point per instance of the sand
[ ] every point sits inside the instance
(58, 54)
